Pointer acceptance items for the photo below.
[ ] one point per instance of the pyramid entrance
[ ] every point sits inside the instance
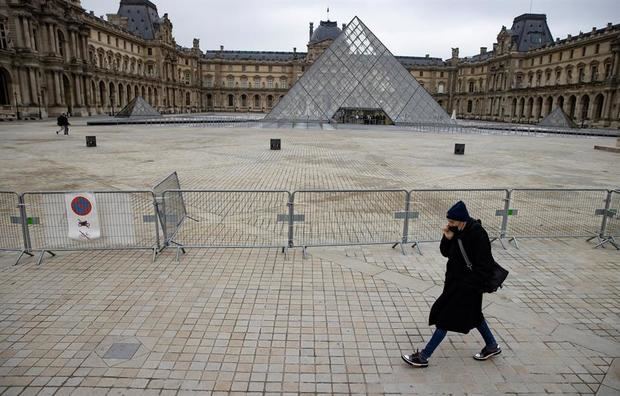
(362, 116)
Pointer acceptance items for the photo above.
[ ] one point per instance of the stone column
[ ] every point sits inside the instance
(23, 86)
(57, 88)
(52, 36)
(27, 38)
(34, 91)
(78, 90)
(18, 32)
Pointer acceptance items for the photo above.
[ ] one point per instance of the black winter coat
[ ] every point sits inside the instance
(459, 307)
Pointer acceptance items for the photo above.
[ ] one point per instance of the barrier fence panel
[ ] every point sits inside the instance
(545, 213)
(429, 208)
(231, 218)
(12, 235)
(613, 221)
(126, 220)
(173, 208)
(355, 217)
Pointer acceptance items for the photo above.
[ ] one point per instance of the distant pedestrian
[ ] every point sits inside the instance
(459, 307)
(63, 123)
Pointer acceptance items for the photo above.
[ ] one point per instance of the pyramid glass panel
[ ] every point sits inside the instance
(558, 119)
(138, 107)
(358, 72)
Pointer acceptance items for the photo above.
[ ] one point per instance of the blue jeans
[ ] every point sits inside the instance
(440, 334)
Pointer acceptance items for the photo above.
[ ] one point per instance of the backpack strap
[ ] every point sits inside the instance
(469, 266)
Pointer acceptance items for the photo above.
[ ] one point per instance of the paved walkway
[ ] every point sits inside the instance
(259, 322)
(336, 322)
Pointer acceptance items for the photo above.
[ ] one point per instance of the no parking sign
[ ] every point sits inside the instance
(82, 216)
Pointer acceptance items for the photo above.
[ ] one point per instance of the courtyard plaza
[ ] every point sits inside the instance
(257, 321)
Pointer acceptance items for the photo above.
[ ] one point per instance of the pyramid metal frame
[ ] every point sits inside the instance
(358, 71)
(138, 107)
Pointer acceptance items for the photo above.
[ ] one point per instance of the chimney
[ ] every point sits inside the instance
(344, 26)
(311, 30)
(221, 48)
(594, 28)
(426, 56)
(455, 52)
(196, 43)
(483, 50)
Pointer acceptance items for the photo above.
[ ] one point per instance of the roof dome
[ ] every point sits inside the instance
(327, 30)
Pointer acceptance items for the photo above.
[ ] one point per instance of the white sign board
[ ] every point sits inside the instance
(82, 216)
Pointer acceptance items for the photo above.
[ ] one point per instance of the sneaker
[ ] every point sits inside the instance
(487, 352)
(415, 359)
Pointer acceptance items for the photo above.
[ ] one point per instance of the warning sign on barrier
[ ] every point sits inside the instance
(82, 216)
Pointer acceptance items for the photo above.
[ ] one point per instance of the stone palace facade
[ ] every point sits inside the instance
(56, 57)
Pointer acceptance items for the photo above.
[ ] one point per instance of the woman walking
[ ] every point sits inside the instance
(459, 307)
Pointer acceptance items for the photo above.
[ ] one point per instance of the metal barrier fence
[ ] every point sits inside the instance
(231, 218)
(613, 225)
(429, 209)
(171, 212)
(354, 217)
(553, 213)
(12, 236)
(127, 220)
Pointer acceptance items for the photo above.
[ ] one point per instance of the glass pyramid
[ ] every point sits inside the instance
(358, 71)
(559, 119)
(138, 107)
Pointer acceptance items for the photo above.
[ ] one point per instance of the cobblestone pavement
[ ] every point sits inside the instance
(257, 321)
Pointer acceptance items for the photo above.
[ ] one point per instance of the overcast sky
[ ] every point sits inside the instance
(406, 27)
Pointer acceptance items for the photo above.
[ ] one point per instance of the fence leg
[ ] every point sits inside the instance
(154, 254)
(416, 245)
(514, 239)
(304, 252)
(611, 240)
(21, 254)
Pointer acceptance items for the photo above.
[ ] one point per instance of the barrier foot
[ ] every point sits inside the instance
(154, 254)
(394, 245)
(513, 239)
(40, 257)
(609, 240)
(21, 254)
(177, 255)
(416, 245)
(499, 239)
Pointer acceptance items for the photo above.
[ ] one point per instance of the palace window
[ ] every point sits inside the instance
(283, 83)
(471, 86)
(244, 82)
(421, 73)
(255, 67)
(269, 82)
(594, 73)
(150, 51)
(597, 48)
(256, 82)
(560, 55)
(242, 67)
(230, 81)
(581, 74)
(3, 37)
(583, 51)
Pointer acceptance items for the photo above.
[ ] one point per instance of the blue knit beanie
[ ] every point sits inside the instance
(458, 212)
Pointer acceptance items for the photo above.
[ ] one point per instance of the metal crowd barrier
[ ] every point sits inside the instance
(428, 212)
(127, 220)
(610, 228)
(556, 213)
(12, 236)
(242, 219)
(349, 217)
(171, 213)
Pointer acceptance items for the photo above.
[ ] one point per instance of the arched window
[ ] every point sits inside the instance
(269, 101)
(598, 107)
(256, 101)
(283, 83)
(244, 101)
(230, 81)
(209, 100)
(469, 106)
(440, 88)
(231, 101)
(188, 99)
